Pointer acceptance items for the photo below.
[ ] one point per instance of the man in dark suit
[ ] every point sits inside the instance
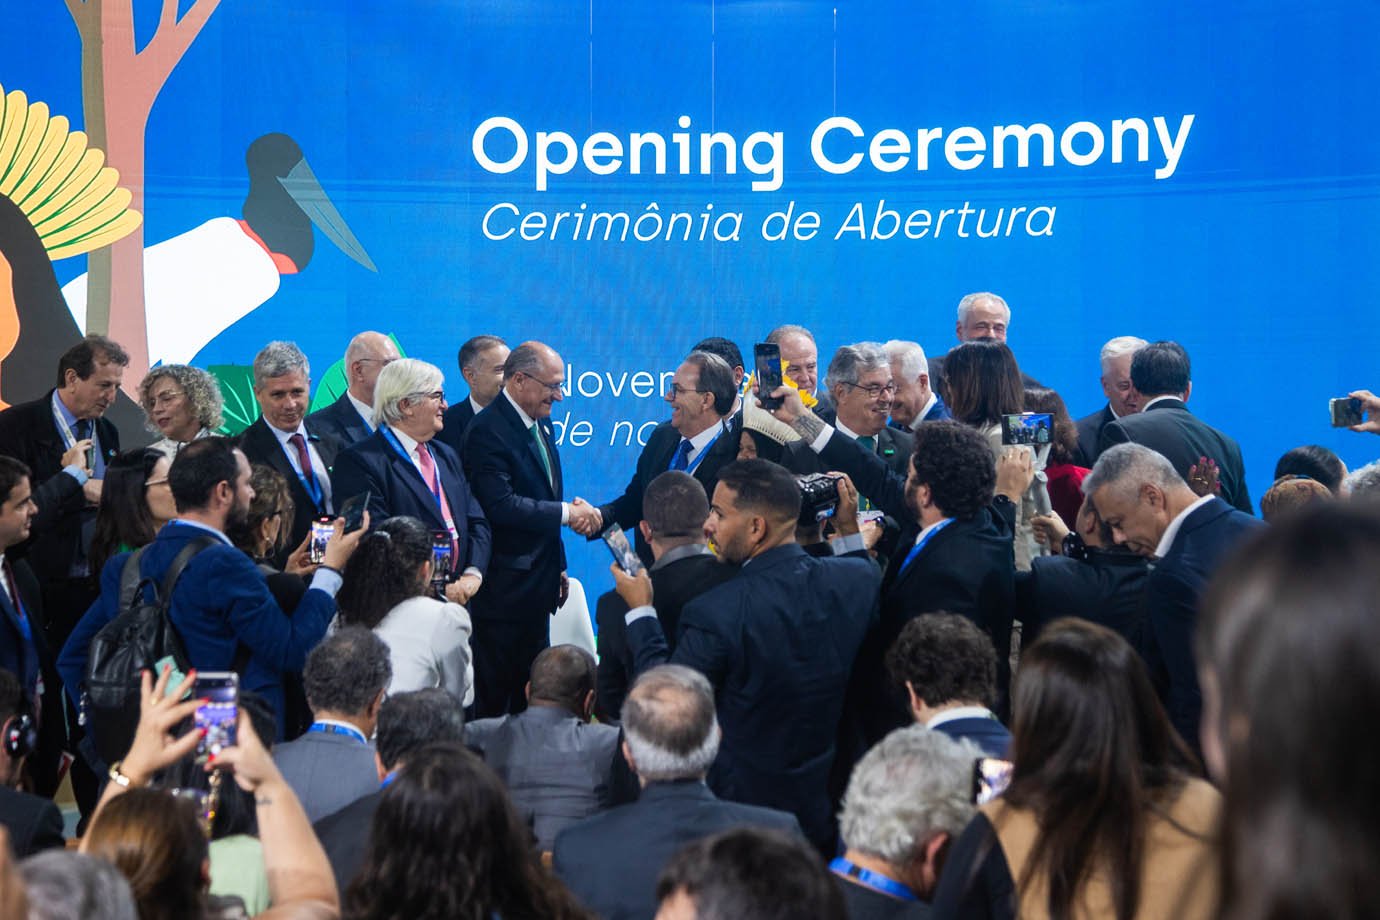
(407, 471)
(514, 469)
(1121, 396)
(408, 722)
(915, 400)
(733, 357)
(674, 509)
(697, 440)
(777, 643)
(610, 861)
(33, 822)
(282, 438)
(557, 764)
(947, 668)
(982, 317)
(801, 357)
(1153, 512)
(1161, 377)
(332, 765)
(350, 419)
(66, 442)
(481, 364)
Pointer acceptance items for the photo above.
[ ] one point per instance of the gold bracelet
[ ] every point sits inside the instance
(117, 777)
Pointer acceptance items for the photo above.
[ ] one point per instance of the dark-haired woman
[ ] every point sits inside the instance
(1315, 462)
(387, 589)
(1064, 477)
(1103, 817)
(1291, 694)
(447, 844)
(135, 502)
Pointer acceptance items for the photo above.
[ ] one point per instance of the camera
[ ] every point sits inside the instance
(819, 497)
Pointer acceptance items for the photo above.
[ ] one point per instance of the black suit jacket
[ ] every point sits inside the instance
(674, 583)
(1090, 436)
(1169, 428)
(778, 644)
(28, 433)
(345, 837)
(34, 823)
(456, 421)
(341, 421)
(27, 664)
(611, 861)
(655, 459)
(1108, 589)
(396, 487)
(503, 464)
(260, 445)
(1171, 605)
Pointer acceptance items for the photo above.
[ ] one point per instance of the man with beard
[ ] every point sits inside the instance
(221, 603)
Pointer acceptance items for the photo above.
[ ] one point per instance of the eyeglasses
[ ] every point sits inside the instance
(873, 390)
(167, 399)
(555, 388)
(675, 389)
(434, 394)
(384, 361)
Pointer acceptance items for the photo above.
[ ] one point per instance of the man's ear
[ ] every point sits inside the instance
(1188, 391)
(1152, 495)
(70, 377)
(587, 708)
(915, 701)
(645, 529)
(922, 492)
(627, 755)
(527, 692)
(923, 380)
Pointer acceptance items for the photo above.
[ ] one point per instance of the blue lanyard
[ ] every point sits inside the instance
(308, 482)
(873, 880)
(704, 452)
(434, 487)
(331, 729)
(388, 780)
(915, 550)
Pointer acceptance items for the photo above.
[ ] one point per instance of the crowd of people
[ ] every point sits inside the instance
(878, 650)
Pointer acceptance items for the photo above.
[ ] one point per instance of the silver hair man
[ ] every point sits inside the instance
(852, 361)
(403, 379)
(669, 726)
(278, 358)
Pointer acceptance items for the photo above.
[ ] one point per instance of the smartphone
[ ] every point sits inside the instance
(990, 778)
(1032, 428)
(441, 554)
(353, 511)
(218, 712)
(768, 359)
(617, 542)
(1346, 412)
(321, 530)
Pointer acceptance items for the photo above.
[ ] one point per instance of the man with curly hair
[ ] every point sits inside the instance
(948, 669)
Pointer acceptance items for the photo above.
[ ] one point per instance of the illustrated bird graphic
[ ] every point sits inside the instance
(201, 282)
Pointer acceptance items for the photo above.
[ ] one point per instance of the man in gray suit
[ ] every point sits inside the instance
(556, 764)
(332, 765)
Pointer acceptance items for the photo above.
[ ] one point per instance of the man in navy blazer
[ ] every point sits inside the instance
(1122, 398)
(1151, 510)
(778, 642)
(221, 603)
(1160, 375)
(407, 471)
(350, 419)
(610, 861)
(915, 401)
(514, 469)
(481, 362)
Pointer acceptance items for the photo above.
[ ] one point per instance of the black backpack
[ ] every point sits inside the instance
(136, 640)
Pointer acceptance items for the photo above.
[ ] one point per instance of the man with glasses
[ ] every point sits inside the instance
(514, 469)
(699, 439)
(350, 419)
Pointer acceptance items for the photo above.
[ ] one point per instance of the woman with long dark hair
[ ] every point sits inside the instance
(1064, 477)
(135, 502)
(1290, 672)
(386, 588)
(447, 844)
(1103, 817)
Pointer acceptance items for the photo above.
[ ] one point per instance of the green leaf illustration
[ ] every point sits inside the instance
(237, 387)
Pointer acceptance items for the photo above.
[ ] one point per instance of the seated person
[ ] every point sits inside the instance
(948, 668)
(331, 765)
(556, 764)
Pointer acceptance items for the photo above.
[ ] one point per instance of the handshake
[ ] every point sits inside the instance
(585, 519)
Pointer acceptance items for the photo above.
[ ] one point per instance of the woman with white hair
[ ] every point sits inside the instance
(406, 471)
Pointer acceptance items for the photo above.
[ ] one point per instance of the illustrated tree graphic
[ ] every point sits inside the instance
(119, 86)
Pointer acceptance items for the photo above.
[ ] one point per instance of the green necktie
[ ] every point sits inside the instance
(545, 458)
(867, 442)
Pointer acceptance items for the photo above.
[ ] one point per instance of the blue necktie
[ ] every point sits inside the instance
(681, 459)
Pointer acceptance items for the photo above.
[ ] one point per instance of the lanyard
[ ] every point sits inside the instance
(330, 728)
(874, 880)
(434, 487)
(69, 438)
(309, 483)
(704, 452)
(915, 550)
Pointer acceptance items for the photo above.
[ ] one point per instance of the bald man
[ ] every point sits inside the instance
(351, 417)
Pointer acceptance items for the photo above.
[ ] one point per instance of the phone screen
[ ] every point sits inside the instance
(441, 553)
(353, 511)
(617, 542)
(321, 530)
(768, 359)
(1346, 412)
(220, 691)
(1032, 428)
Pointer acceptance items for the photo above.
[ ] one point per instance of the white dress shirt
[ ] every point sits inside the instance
(318, 465)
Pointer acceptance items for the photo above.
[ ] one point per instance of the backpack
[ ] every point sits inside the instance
(138, 638)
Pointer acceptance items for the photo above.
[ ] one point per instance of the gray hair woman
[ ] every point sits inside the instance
(183, 403)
